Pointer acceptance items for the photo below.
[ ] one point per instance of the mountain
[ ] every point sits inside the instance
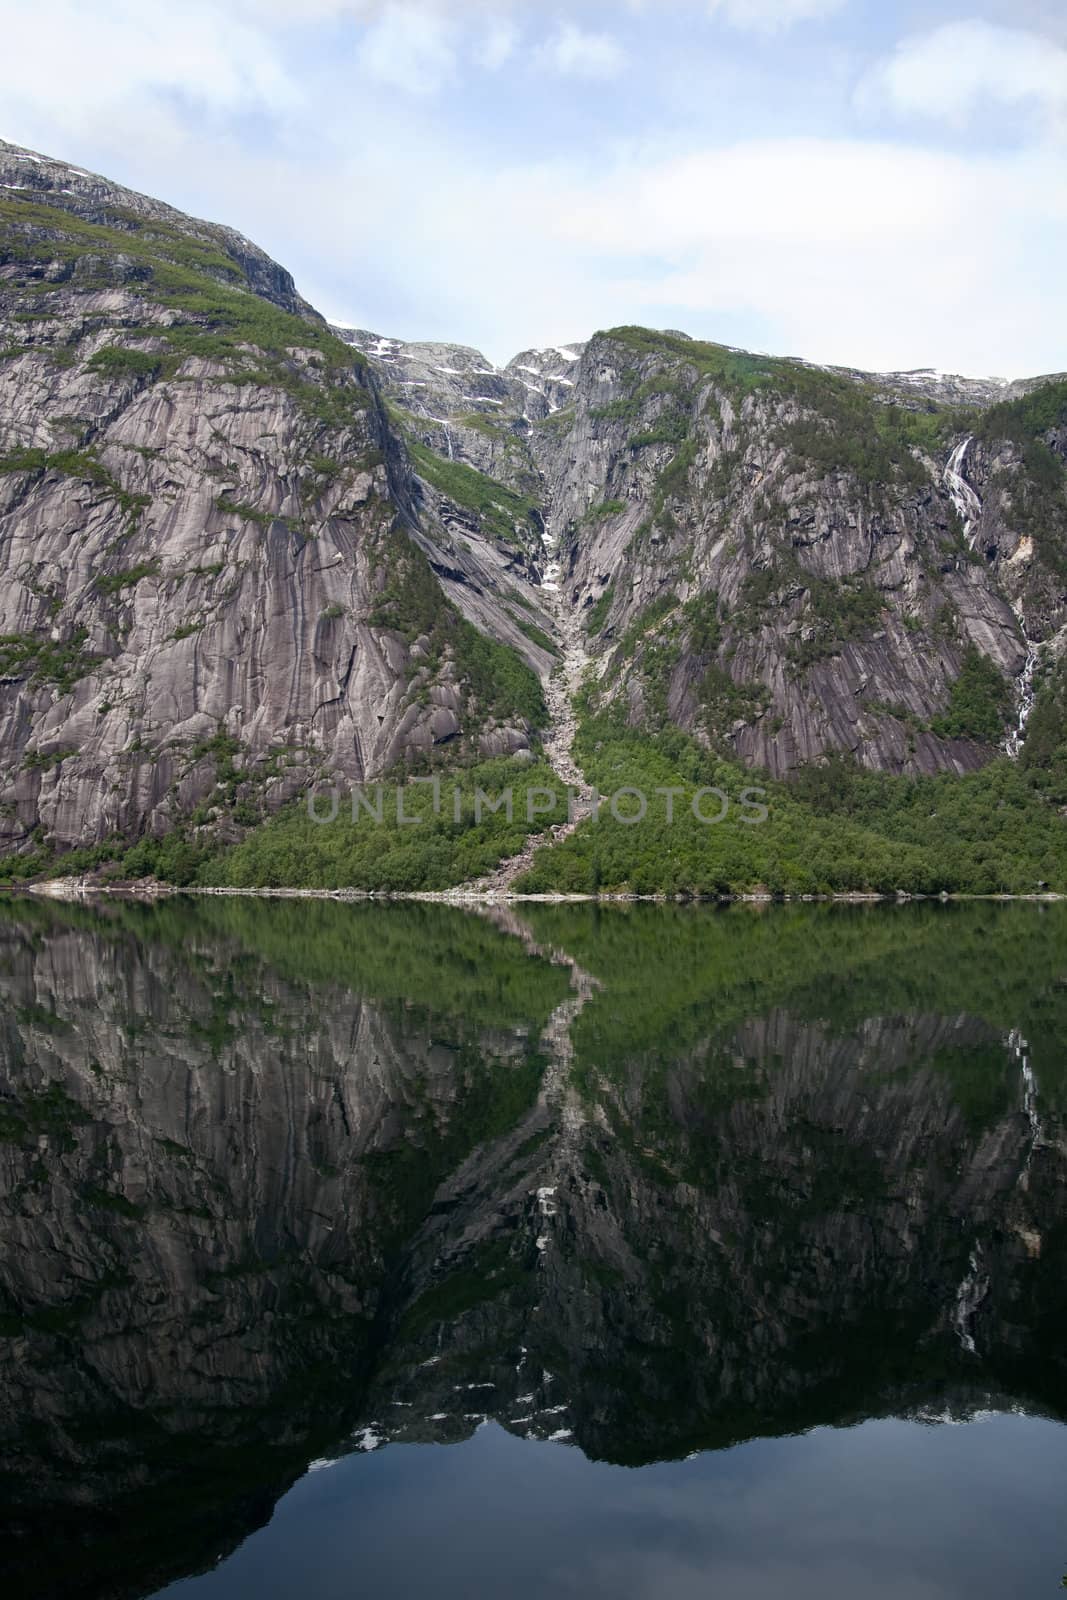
(243, 553)
(218, 570)
(789, 536)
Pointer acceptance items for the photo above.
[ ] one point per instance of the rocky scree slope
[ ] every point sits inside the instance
(222, 574)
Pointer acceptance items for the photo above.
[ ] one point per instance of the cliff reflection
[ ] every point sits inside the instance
(282, 1180)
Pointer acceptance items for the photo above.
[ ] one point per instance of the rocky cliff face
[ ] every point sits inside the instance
(242, 551)
(464, 406)
(779, 552)
(218, 569)
(780, 558)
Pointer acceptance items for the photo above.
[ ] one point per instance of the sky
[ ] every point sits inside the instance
(855, 181)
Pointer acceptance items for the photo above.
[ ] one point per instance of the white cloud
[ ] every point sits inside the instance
(410, 47)
(841, 249)
(498, 44)
(92, 55)
(856, 252)
(578, 54)
(771, 16)
(949, 72)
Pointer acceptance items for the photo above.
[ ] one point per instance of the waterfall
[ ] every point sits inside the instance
(969, 508)
(975, 1286)
(1026, 700)
(1021, 1050)
(554, 568)
(969, 1296)
(964, 498)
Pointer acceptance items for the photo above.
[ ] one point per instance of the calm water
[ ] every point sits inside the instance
(658, 1252)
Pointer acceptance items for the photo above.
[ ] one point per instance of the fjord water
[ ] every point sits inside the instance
(625, 1251)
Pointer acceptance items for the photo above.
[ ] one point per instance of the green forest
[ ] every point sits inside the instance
(831, 828)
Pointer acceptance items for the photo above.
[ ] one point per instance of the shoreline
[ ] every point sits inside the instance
(75, 889)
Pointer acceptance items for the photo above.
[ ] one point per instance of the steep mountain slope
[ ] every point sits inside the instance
(220, 577)
(777, 553)
(244, 552)
(783, 559)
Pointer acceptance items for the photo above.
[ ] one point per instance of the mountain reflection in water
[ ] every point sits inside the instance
(289, 1184)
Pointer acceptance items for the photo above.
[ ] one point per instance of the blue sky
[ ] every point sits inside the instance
(878, 184)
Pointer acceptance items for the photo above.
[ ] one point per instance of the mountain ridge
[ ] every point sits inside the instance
(923, 382)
